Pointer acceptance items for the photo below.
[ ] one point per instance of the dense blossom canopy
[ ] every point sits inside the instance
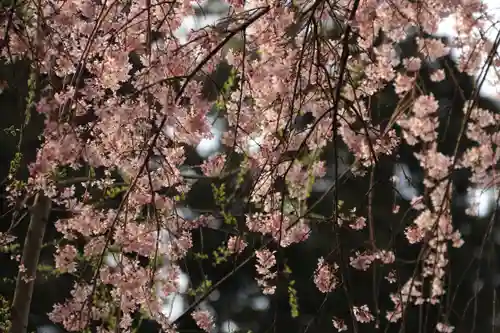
(119, 64)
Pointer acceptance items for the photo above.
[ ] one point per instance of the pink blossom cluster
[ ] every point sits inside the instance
(363, 260)
(324, 277)
(282, 228)
(213, 166)
(236, 244)
(203, 319)
(266, 262)
(65, 258)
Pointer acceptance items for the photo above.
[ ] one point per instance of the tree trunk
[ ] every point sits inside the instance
(31, 254)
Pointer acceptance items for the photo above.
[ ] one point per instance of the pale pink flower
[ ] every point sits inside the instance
(432, 48)
(203, 319)
(318, 169)
(6, 239)
(417, 203)
(214, 165)
(74, 313)
(438, 75)
(437, 164)
(95, 247)
(339, 324)
(362, 261)
(414, 234)
(179, 246)
(324, 277)
(265, 262)
(456, 239)
(394, 316)
(412, 64)
(403, 83)
(358, 224)
(236, 244)
(387, 257)
(426, 220)
(125, 321)
(279, 226)
(65, 258)
(362, 314)
(444, 328)
(391, 277)
(425, 105)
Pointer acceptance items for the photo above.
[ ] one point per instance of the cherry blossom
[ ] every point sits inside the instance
(203, 319)
(324, 277)
(146, 114)
(362, 314)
